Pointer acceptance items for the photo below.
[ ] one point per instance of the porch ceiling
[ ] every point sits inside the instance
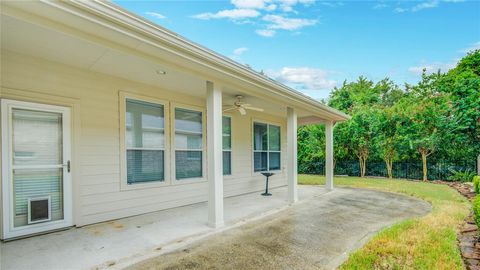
(92, 46)
(37, 41)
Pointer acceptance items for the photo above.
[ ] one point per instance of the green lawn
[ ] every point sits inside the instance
(422, 243)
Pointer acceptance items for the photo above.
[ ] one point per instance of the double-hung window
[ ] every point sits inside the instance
(266, 147)
(145, 141)
(188, 144)
(227, 145)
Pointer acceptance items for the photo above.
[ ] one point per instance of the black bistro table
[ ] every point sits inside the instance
(267, 175)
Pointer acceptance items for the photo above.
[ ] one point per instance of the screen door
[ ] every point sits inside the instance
(37, 160)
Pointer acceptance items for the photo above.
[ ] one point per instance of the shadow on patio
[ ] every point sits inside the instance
(136, 238)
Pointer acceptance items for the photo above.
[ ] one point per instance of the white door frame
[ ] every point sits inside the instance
(9, 231)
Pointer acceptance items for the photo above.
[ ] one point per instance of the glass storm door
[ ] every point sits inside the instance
(35, 168)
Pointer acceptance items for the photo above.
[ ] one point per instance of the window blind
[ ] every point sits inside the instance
(145, 141)
(188, 144)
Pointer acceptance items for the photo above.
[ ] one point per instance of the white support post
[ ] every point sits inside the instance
(292, 154)
(329, 155)
(214, 155)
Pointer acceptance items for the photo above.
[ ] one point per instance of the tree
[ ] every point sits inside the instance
(390, 93)
(358, 98)
(462, 84)
(427, 111)
(341, 145)
(435, 119)
(311, 145)
(387, 137)
(362, 92)
(360, 132)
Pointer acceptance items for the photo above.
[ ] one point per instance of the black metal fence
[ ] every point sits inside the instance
(440, 170)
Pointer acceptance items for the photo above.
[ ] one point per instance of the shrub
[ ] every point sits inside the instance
(476, 210)
(476, 184)
(462, 176)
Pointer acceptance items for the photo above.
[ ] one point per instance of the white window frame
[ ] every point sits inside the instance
(174, 180)
(9, 231)
(123, 96)
(268, 123)
(231, 146)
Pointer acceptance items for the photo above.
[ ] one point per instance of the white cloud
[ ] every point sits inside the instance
(286, 8)
(156, 15)
(303, 78)
(380, 6)
(431, 67)
(249, 4)
(475, 46)
(271, 7)
(240, 51)
(331, 4)
(265, 32)
(249, 11)
(400, 10)
(287, 5)
(425, 5)
(234, 14)
(280, 22)
(237, 53)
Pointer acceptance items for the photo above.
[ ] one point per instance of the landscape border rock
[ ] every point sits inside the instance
(468, 238)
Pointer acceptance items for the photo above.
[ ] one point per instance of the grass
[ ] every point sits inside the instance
(429, 242)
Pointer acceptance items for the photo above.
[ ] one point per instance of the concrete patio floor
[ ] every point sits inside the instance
(317, 233)
(125, 241)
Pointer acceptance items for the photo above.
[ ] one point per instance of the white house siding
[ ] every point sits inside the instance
(94, 99)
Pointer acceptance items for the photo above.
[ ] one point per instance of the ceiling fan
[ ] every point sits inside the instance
(241, 107)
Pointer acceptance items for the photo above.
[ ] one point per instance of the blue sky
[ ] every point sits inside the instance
(316, 45)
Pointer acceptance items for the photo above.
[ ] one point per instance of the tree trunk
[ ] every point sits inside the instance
(389, 163)
(423, 152)
(362, 158)
(478, 164)
(360, 161)
(388, 156)
(363, 165)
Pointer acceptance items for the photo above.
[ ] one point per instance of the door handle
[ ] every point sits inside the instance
(67, 165)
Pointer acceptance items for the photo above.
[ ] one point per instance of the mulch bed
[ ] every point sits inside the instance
(468, 239)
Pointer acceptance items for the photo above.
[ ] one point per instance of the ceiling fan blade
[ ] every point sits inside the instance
(229, 109)
(242, 111)
(253, 108)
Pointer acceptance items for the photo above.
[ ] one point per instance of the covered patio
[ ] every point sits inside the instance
(125, 241)
(98, 65)
(119, 138)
